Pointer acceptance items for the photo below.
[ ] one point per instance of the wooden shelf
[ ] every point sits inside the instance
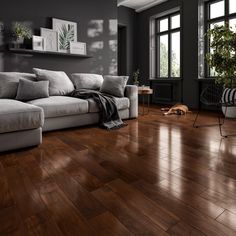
(34, 52)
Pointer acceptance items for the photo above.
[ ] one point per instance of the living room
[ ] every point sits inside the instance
(117, 117)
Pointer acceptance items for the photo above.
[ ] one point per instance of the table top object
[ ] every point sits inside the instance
(145, 90)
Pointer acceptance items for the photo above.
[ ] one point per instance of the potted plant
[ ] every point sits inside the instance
(222, 59)
(20, 33)
(136, 77)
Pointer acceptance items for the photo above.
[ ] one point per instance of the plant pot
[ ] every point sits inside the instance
(229, 96)
(136, 83)
(230, 113)
(18, 43)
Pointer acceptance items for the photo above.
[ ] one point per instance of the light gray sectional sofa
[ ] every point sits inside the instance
(22, 123)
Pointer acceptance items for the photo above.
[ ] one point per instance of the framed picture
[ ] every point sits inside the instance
(51, 39)
(67, 32)
(78, 48)
(38, 43)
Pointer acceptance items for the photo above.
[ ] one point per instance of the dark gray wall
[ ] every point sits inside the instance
(127, 18)
(94, 19)
(189, 10)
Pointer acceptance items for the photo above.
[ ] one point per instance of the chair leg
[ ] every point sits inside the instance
(221, 124)
(201, 126)
(195, 120)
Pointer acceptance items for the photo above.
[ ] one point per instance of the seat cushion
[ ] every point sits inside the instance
(18, 116)
(57, 106)
(122, 104)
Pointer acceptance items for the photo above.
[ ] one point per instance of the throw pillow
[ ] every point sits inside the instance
(9, 82)
(87, 81)
(114, 85)
(59, 82)
(29, 90)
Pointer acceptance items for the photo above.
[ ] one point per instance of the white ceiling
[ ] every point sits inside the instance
(140, 5)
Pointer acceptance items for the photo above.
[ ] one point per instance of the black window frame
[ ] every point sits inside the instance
(168, 32)
(226, 18)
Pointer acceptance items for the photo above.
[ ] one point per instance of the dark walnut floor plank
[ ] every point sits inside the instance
(180, 184)
(79, 196)
(87, 181)
(107, 224)
(6, 199)
(187, 214)
(66, 216)
(210, 180)
(42, 224)
(221, 200)
(25, 194)
(194, 200)
(229, 219)
(133, 219)
(11, 222)
(163, 218)
(182, 229)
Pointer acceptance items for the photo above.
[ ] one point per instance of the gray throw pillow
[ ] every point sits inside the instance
(9, 83)
(87, 81)
(59, 82)
(30, 90)
(114, 85)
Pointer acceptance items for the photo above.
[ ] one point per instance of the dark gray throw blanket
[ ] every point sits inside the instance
(109, 116)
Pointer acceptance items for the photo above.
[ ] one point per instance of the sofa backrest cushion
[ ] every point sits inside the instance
(114, 85)
(87, 81)
(9, 83)
(30, 90)
(59, 83)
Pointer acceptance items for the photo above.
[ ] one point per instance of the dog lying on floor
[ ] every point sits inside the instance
(177, 109)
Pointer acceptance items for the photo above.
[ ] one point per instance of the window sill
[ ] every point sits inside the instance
(167, 79)
(205, 79)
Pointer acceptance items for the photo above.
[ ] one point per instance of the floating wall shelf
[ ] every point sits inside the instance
(34, 52)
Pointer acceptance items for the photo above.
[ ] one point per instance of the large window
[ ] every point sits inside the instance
(168, 47)
(218, 13)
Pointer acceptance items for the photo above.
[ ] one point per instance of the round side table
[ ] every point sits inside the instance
(145, 91)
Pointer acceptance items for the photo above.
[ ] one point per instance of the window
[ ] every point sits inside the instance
(168, 51)
(218, 13)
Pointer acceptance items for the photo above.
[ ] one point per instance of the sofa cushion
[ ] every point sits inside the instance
(9, 83)
(57, 106)
(59, 82)
(122, 104)
(29, 90)
(87, 81)
(114, 85)
(17, 116)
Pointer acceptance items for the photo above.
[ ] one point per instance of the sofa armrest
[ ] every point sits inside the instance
(131, 92)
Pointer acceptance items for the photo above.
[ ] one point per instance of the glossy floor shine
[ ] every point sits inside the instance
(157, 176)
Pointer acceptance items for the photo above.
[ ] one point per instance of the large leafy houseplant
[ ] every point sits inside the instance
(222, 57)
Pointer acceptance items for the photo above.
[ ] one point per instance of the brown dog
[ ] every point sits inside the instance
(177, 109)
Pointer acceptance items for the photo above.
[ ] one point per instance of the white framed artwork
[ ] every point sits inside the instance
(78, 48)
(38, 43)
(67, 32)
(51, 39)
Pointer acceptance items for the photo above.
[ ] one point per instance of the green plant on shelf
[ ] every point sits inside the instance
(20, 31)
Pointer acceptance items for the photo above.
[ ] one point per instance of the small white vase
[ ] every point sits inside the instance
(230, 113)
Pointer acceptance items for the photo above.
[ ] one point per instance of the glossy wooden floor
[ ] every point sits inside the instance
(157, 176)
